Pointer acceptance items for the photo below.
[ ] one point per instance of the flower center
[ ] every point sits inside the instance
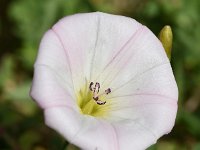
(92, 101)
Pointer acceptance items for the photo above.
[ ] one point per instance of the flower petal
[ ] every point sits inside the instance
(157, 80)
(149, 101)
(140, 125)
(142, 52)
(85, 131)
(91, 40)
(77, 35)
(52, 84)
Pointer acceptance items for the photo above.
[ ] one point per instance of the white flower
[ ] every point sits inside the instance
(105, 82)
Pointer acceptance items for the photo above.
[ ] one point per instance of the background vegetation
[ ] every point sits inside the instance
(22, 24)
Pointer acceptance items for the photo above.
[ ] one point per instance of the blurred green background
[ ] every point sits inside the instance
(22, 24)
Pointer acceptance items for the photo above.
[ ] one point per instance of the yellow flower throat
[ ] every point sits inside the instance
(92, 102)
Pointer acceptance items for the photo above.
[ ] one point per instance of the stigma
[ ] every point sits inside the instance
(95, 88)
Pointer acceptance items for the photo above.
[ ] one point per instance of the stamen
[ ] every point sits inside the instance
(97, 87)
(96, 98)
(90, 87)
(95, 91)
(100, 102)
(108, 91)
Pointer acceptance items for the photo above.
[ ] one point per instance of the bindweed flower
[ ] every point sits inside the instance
(105, 83)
